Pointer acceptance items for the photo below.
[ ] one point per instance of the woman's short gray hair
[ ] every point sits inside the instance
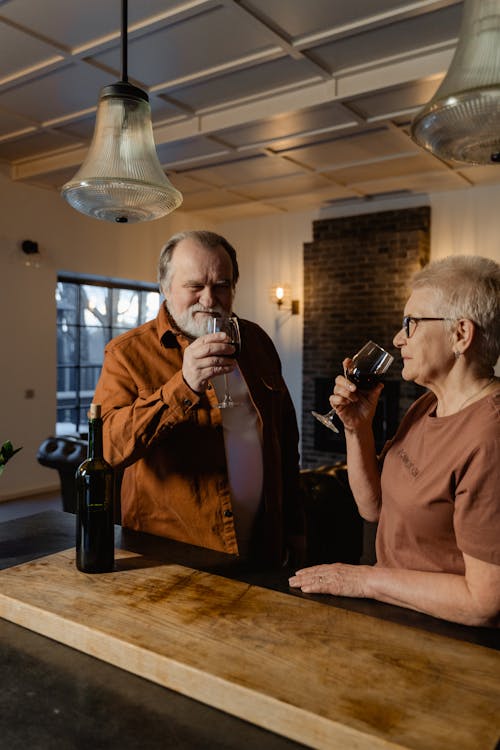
(468, 286)
(205, 238)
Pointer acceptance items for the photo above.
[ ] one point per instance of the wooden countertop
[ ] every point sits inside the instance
(320, 675)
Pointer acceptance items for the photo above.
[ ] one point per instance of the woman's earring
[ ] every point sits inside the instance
(457, 355)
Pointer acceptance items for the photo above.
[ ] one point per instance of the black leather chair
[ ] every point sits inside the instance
(64, 454)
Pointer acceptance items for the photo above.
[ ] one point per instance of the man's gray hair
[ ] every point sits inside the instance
(207, 239)
(468, 286)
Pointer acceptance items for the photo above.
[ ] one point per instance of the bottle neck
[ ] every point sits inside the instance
(95, 438)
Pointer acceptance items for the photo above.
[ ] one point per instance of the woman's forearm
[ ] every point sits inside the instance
(364, 475)
(443, 595)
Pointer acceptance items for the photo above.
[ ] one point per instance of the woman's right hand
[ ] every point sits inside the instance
(354, 407)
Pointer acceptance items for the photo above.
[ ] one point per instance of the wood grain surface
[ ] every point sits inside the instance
(323, 676)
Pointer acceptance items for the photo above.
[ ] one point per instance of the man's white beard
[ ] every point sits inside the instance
(192, 322)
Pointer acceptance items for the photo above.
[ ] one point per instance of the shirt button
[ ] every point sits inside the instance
(228, 513)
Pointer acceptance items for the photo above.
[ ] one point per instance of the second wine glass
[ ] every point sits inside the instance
(228, 325)
(365, 370)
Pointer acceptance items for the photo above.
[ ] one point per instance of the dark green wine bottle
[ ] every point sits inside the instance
(95, 544)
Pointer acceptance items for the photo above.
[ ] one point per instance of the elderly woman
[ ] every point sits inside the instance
(435, 489)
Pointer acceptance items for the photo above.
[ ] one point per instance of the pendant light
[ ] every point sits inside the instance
(462, 121)
(121, 179)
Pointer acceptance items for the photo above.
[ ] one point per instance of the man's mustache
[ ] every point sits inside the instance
(207, 310)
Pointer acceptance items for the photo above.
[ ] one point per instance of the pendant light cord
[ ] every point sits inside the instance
(124, 41)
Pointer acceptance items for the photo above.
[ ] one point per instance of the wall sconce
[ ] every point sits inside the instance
(31, 254)
(281, 296)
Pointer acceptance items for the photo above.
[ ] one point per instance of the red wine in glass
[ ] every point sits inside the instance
(237, 350)
(365, 371)
(229, 325)
(364, 381)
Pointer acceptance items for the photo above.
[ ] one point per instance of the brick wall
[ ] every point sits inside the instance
(356, 279)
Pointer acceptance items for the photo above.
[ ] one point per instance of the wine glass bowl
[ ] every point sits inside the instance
(365, 370)
(368, 365)
(229, 325)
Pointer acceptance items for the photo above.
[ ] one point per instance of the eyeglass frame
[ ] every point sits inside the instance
(407, 319)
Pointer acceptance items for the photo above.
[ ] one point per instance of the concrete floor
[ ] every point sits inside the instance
(30, 506)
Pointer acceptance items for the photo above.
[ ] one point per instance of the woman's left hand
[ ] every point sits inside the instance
(338, 579)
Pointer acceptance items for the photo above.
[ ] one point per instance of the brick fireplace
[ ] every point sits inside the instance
(356, 276)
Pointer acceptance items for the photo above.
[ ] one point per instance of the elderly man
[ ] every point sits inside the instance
(223, 479)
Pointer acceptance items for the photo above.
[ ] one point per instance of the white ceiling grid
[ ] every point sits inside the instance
(258, 106)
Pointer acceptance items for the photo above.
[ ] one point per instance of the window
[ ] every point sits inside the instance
(90, 312)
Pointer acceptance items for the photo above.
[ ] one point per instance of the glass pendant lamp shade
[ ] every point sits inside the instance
(121, 178)
(462, 121)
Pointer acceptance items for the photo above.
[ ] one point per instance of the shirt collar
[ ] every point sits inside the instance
(168, 333)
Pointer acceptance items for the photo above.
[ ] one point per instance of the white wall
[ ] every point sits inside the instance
(68, 241)
(270, 249)
(466, 222)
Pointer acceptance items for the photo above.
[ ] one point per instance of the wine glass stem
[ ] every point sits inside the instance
(227, 395)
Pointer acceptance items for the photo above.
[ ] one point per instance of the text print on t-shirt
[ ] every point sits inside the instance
(408, 462)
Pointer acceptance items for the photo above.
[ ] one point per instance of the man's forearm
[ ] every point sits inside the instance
(131, 424)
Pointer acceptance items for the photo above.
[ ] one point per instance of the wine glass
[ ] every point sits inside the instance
(365, 370)
(228, 325)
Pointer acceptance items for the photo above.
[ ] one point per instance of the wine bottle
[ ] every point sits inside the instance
(95, 545)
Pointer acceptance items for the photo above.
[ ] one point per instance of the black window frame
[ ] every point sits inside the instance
(78, 403)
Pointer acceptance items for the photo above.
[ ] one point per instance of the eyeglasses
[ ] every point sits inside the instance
(409, 329)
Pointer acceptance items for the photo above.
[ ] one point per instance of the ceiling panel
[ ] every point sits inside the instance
(280, 186)
(31, 145)
(211, 198)
(20, 51)
(243, 171)
(11, 123)
(317, 198)
(191, 47)
(485, 175)
(259, 106)
(238, 211)
(56, 179)
(397, 38)
(70, 89)
(385, 104)
(369, 145)
(81, 130)
(391, 167)
(417, 183)
(299, 18)
(186, 183)
(255, 81)
(319, 119)
(72, 24)
(187, 150)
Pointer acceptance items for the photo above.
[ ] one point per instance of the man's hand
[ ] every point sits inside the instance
(206, 357)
